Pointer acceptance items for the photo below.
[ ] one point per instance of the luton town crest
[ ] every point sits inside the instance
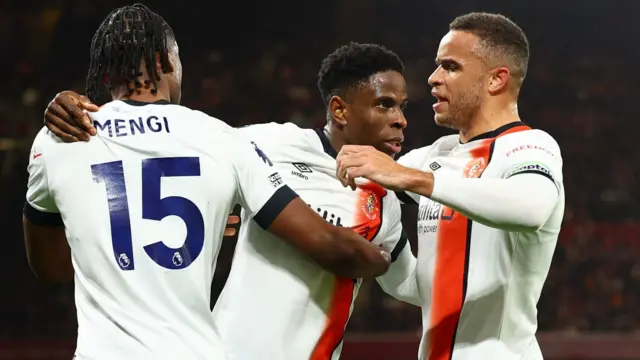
(474, 168)
(371, 205)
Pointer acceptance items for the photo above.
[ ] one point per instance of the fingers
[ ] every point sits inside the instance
(347, 165)
(231, 220)
(76, 109)
(56, 116)
(59, 120)
(87, 104)
(61, 134)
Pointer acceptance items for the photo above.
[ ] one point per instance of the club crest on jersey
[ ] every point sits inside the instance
(474, 168)
(371, 205)
(262, 154)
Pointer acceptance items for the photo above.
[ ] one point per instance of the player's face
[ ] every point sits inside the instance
(375, 113)
(175, 78)
(458, 82)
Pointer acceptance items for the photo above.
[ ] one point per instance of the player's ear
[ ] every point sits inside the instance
(338, 109)
(498, 80)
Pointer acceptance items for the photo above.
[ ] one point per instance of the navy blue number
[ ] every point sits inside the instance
(153, 208)
(112, 175)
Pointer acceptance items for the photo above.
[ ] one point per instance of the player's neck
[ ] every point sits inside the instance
(336, 141)
(141, 95)
(489, 119)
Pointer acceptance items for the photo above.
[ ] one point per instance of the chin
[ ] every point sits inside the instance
(444, 121)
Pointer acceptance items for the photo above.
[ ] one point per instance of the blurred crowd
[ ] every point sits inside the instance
(580, 88)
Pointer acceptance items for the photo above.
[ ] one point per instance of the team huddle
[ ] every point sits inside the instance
(131, 200)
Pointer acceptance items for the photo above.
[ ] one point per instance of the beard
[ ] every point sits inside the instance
(460, 109)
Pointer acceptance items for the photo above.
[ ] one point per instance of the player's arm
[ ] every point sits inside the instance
(46, 244)
(278, 209)
(522, 200)
(65, 116)
(400, 281)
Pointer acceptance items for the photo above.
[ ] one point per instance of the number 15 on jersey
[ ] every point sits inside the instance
(154, 207)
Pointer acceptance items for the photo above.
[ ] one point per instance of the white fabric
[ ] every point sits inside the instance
(483, 260)
(152, 176)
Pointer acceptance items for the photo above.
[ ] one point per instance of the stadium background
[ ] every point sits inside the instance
(255, 61)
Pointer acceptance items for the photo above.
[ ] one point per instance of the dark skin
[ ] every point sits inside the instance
(370, 114)
(336, 249)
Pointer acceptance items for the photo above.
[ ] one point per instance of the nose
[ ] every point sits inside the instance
(435, 78)
(400, 121)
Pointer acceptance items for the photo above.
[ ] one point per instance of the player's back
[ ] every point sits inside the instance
(145, 205)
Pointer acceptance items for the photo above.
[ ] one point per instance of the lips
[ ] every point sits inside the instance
(439, 97)
(440, 100)
(394, 144)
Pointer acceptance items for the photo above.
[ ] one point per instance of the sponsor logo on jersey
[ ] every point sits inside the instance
(532, 167)
(474, 168)
(275, 179)
(429, 213)
(262, 155)
(528, 147)
(434, 166)
(331, 218)
(301, 170)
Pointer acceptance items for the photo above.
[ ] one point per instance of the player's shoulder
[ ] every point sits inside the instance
(45, 138)
(284, 142)
(198, 116)
(533, 139)
(392, 202)
(419, 157)
(273, 132)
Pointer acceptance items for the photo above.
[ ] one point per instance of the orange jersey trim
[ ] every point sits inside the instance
(368, 221)
(452, 262)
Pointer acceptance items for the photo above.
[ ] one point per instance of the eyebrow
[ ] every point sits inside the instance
(446, 61)
(390, 98)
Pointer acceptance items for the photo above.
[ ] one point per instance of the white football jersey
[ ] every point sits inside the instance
(145, 204)
(480, 285)
(277, 303)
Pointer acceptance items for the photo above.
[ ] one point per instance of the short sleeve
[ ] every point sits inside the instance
(261, 190)
(40, 207)
(530, 152)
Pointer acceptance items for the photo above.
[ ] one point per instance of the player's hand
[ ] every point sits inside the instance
(231, 220)
(66, 116)
(356, 161)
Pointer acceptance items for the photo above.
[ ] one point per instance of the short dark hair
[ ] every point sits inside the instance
(126, 36)
(501, 37)
(353, 64)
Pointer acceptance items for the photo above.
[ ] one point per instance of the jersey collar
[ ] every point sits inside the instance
(326, 144)
(495, 133)
(142, 103)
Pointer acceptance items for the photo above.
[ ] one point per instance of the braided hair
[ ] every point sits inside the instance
(127, 36)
